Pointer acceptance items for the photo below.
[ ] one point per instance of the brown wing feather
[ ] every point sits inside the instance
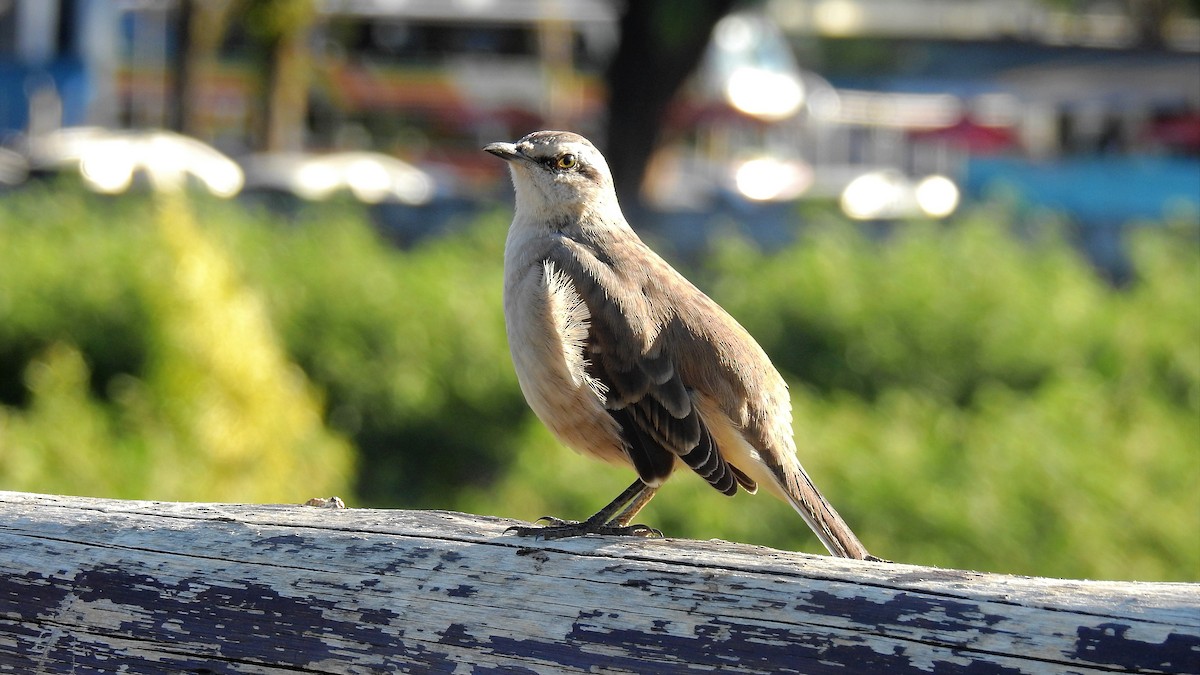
(645, 392)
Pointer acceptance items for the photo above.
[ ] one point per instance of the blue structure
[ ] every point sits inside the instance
(1096, 190)
(57, 59)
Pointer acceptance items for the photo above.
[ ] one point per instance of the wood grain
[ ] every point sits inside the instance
(91, 585)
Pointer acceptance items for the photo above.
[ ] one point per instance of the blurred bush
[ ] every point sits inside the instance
(993, 396)
(965, 396)
(408, 346)
(136, 363)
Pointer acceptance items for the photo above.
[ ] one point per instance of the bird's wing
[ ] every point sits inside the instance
(645, 392)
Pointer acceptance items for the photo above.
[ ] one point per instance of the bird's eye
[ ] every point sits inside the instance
(567, 161)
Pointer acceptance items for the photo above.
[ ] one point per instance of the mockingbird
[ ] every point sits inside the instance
(626, 361)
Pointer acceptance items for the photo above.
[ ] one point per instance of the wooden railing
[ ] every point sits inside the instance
(92, 585)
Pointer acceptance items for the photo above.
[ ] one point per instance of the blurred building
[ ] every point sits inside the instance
(399, 76)
(892, 107)
(58, 63)
(925, 87)
(902, 108)
(384, 72)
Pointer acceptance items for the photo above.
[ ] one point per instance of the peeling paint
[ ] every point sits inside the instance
(1110, 644)
(905, 609)
(415, 592)
(461, 591)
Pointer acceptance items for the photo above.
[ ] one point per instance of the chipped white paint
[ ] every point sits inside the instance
(88, 584)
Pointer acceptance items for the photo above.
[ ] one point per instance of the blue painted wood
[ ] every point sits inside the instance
(90, 585)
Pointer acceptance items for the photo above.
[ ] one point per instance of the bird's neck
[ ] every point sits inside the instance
(568, 217)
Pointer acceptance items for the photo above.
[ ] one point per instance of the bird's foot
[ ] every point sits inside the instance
(557, 528)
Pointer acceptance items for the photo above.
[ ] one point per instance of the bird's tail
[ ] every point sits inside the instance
(821, 517)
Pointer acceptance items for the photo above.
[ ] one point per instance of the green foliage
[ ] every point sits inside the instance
(196, 400)
(409, 346)
(943, 310)
(269, 20)
(1038, 410)
(964, 396)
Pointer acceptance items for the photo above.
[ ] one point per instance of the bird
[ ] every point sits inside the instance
(626, 361)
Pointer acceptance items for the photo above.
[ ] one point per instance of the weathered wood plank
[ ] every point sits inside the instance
(107, 585)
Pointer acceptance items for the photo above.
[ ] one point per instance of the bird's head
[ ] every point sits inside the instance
(557, 173)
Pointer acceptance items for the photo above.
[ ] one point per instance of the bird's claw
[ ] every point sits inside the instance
(637, 530)
(558, 528)
(551, 521)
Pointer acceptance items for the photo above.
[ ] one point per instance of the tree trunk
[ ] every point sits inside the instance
(661, 44)
(287, 93)
(183, 74)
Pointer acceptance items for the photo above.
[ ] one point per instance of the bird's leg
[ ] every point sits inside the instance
(612, 519)
(635, 505)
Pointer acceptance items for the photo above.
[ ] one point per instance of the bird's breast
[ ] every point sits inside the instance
(547, 324)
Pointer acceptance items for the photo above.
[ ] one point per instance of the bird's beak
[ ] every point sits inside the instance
(506, 151)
